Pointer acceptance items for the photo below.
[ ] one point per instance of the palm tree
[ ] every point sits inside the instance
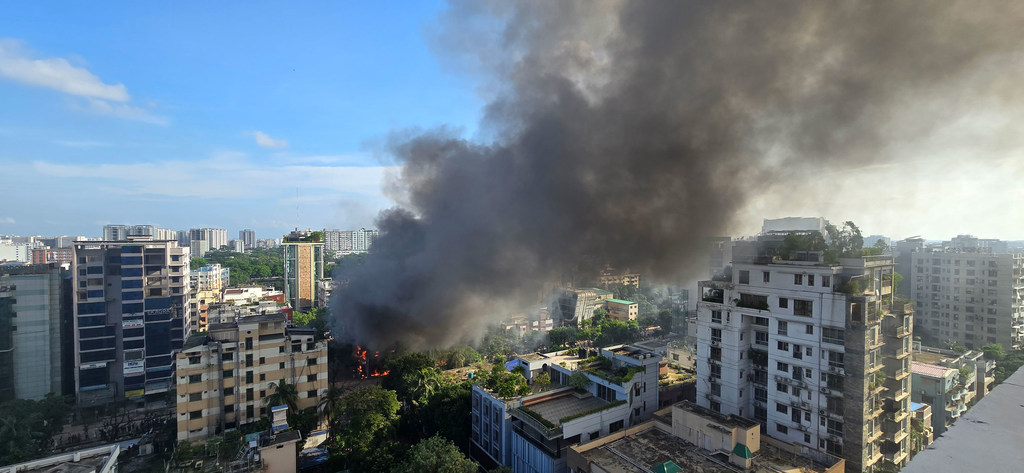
(428, 380)
(330, 405)
(284, 394)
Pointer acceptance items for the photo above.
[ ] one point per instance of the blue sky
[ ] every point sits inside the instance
(212, 114)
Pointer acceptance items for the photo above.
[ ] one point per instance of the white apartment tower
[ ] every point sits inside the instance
(816, 352)
(968, 295)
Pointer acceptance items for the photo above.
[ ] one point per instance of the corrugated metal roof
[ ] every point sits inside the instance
(926, 369)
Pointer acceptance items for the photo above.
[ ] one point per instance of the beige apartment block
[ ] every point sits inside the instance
(224, 375)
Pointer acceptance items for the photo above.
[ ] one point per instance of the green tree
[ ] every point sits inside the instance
(436, 455)
(562, 336)
(579, 381)
(447, 413)
(329, 406)
(284, 395)
(405, 373)
(366, 438)
(993, 351)
(197, 263)
(542, 380)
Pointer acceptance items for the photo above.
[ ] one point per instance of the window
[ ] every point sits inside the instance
(832, 335)
(230, 408)
(783, 346)
(310, 378)
(311, 361)
(192, 397)
(782, 366)
(798, 279)
(227, 373)
(194, 360)
(781, 428)
(809, 330)
(195, 378)
(263, 376)
(802, 308)
(808, 351)
(716, 335)
(783, 327)
(228, 357)
(744, 277)
(766, 276)
(782, 388)
(195, 415)
(716, 389)
(761, 338)
(229, 391)
(311, 393)
(248, 377)
(280, 365)
(783, 303)
(780, 407)
(716, 316)
(262, 360)
(810, 279)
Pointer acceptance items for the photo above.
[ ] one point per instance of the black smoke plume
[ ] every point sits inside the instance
(625, 132)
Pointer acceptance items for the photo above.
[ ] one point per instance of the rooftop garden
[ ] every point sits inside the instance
(604, 368)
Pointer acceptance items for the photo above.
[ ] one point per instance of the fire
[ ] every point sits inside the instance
(362, 364)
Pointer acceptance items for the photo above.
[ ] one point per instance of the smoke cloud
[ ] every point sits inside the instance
(625, 132)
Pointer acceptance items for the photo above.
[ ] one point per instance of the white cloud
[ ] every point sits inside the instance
(226, 174)
(264, 140)
(55, 73)
(7, 220)
(127, 112)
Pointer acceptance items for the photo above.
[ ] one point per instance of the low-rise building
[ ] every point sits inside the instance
(971, 360)
(102, 459)
(225, 313)
(921, 425)
(943, 388)
(224, 375)
(619, 309)
(687, 437)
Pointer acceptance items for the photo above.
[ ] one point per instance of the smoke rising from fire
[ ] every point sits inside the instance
(625, 132)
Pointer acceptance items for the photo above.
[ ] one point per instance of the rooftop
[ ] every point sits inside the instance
(90, 460)
(926, 369)
(642, 451)
(987, 438)
(195, 340)
(620, 301)
(566, 404)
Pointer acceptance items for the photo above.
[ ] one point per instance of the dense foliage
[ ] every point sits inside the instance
(258, 265)
(27, 428)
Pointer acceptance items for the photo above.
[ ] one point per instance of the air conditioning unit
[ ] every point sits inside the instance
(822, 412)
(714, 343)
(824, 389)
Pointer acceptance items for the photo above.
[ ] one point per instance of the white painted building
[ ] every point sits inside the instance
(807, 348)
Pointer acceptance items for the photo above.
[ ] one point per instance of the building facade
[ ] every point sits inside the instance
(816, 352)
(248, 238)
(131, 315)
(212, 277)
(215, 238)
(619, 309)
(303, 267)
(33, 333)
(224, 375)
(968, 296)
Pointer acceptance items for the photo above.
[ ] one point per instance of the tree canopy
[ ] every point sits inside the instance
(436, 455)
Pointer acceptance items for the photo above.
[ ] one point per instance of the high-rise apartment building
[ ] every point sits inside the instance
(215, 238)
(248, 238)
(968, 295)
(303, 267)
(817, 352)
(350, 241)
(131, 314)
(122, 232)
(224, 375)
(33, 333)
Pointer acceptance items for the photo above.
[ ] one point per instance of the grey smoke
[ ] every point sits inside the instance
(625, 132)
